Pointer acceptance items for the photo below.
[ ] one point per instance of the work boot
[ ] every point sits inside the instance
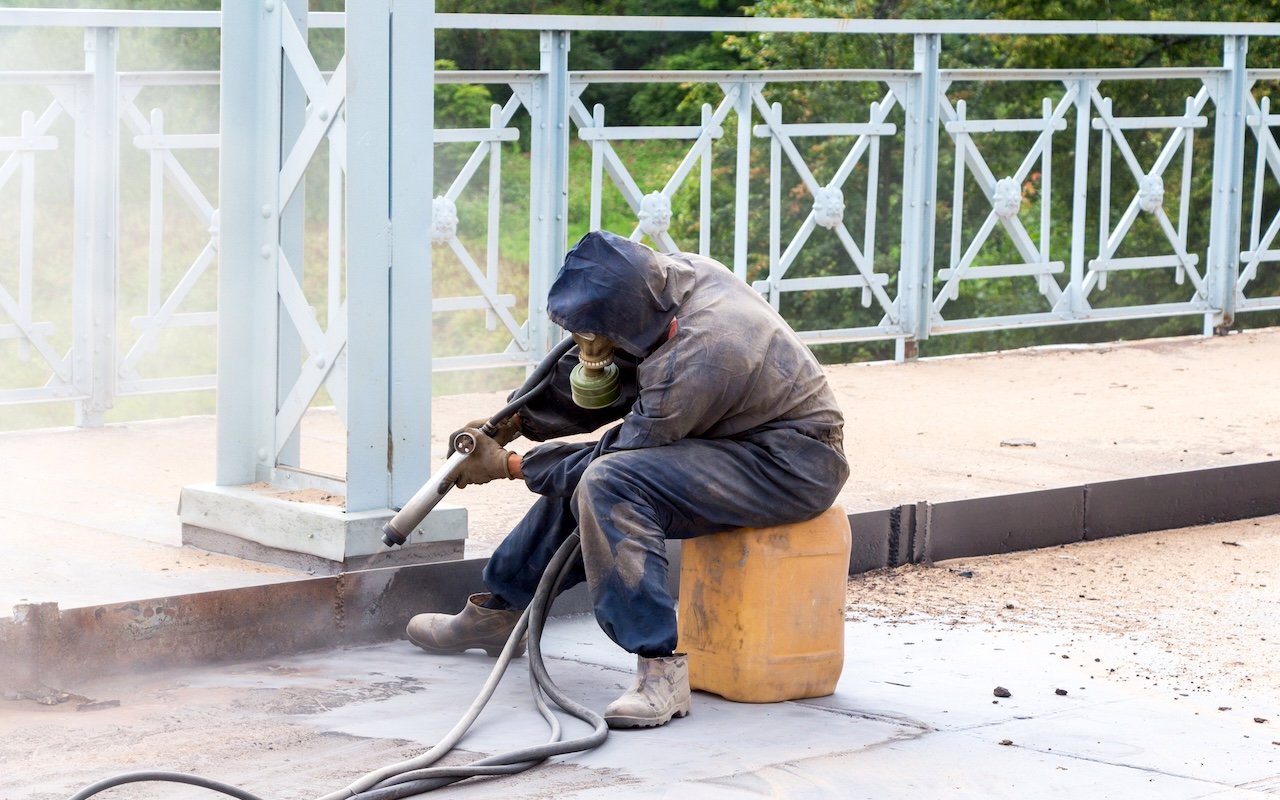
(660, 692)
(473, 627)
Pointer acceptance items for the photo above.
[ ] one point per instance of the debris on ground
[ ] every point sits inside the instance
(45, 695)
(98, 705)
(1000, 691)
(1125, 582)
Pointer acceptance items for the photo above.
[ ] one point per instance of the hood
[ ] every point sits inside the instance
(621, 289)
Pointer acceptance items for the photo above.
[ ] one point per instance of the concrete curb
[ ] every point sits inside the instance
(43, 644)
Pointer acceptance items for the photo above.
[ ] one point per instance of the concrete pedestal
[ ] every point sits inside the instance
(309, 529)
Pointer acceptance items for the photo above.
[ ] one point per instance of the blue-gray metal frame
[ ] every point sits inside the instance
(372, 352)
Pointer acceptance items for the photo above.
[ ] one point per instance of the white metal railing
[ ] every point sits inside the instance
(83, 353)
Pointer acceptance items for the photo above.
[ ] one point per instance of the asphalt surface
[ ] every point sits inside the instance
(915, 715)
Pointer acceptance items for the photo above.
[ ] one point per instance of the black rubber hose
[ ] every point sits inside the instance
(166, 777)
(421, 781)
(536, 382)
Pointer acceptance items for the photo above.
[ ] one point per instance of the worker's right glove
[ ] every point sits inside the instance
(486, 463)
(508, 431)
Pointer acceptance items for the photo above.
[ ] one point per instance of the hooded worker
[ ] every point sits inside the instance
(727, 422)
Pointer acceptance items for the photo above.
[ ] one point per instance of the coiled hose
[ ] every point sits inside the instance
(416, 776)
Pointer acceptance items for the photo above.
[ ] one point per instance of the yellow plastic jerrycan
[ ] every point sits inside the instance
(761, 610)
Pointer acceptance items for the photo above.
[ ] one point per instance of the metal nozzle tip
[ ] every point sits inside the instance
(391, 537)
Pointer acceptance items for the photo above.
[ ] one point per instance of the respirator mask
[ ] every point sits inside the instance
(594, 382)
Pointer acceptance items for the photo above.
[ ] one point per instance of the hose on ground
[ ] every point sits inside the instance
(165, 777)
(416, 776)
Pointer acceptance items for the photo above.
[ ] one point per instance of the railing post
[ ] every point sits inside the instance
(1228, 180)
(742, 175)
(99, 318)
(549, 186)
(413, 109)
(1080, 196)
(920, 182)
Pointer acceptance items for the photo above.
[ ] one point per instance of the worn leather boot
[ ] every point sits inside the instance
(660, 692)
(473, 627)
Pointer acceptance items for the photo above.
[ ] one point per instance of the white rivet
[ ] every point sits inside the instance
(270, 5)
(265, 251)
(318, 360)
(262, 454)
(265, 211)
(322, 113)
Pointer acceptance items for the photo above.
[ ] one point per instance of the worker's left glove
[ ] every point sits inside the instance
(486, 463)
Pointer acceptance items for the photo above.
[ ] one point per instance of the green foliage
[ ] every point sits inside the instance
(1004, 152)
(461, 105)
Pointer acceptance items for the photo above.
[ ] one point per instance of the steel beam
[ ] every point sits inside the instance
(368, 252)
(293, 118)
(248, 233)
(412, 179)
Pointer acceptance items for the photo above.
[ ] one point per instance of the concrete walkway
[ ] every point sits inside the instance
(90, 516)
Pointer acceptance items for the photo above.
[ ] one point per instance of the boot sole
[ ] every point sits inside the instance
(645, 722)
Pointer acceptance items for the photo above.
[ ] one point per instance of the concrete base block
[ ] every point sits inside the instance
(261, 522)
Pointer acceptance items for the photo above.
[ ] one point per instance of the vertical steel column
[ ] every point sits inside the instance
(102, 247)
(82, 258)
(920, 182)
(368, 252)
(1080, 195)
(549, 186)
(412, 179)
(248, 240)
(1228, 179)
(742, 175)
(293, 117)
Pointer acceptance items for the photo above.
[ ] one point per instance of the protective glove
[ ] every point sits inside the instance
(486, 463)
(508, 431)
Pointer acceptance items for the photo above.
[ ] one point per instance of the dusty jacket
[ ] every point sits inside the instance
(732, 368)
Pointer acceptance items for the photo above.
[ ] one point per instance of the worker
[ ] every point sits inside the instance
(727, 422)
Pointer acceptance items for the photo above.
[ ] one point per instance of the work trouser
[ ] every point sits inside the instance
(627, 503)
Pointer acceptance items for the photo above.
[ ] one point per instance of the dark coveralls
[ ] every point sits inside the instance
(728, 422)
